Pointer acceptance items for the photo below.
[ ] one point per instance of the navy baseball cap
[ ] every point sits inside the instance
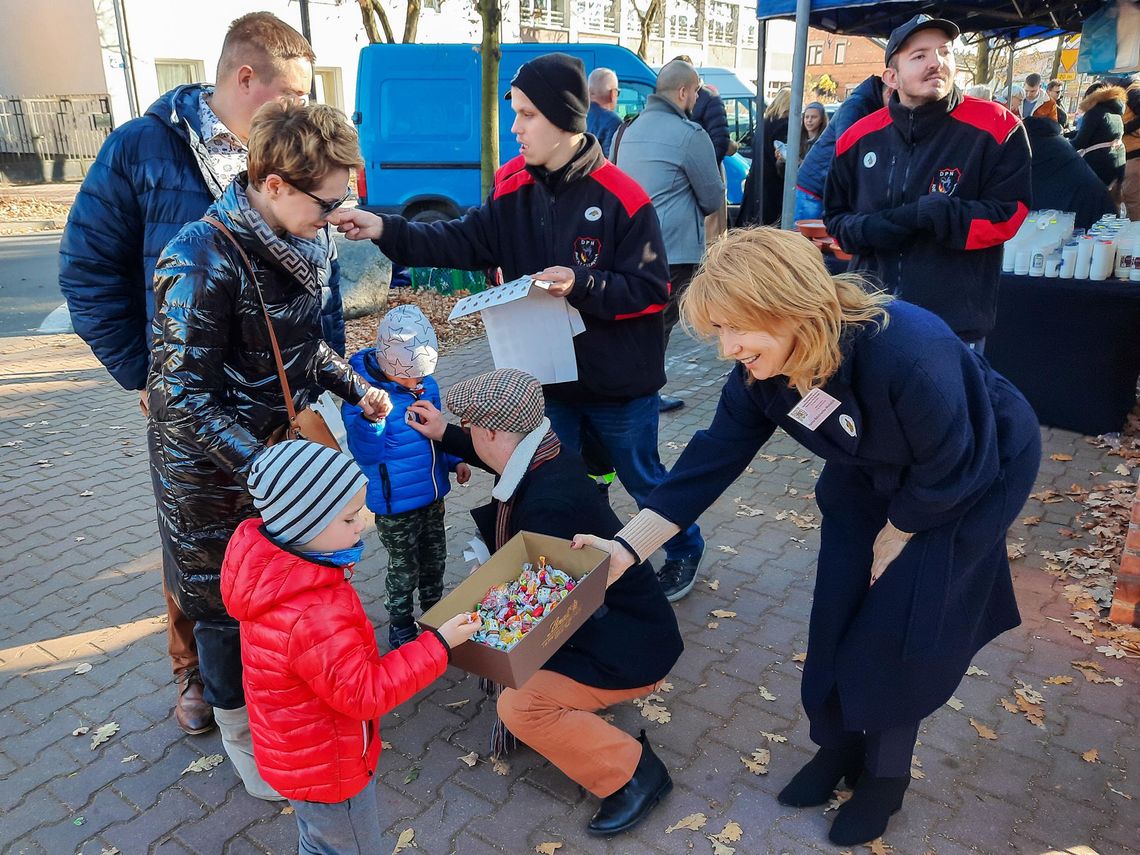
(919, 22)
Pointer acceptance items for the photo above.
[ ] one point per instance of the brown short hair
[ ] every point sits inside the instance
(263, 42)
(301, 144)
(766, 277)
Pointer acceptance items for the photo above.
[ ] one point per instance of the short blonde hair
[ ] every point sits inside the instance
(301, 144)
(781, 105)
(763, 278)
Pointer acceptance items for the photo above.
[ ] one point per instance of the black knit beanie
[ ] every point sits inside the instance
(556, 83)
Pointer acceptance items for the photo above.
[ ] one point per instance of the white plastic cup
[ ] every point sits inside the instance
(1102, 260)
(1021, 263)
(1084, 257)
(1068, 260)
(1037, 261)
(1053, 266)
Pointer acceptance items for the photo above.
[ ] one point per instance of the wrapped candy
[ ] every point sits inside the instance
(510, 610)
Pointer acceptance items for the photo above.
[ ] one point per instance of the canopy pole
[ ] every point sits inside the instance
(759, 138)
(795, 117)
(1009, 81)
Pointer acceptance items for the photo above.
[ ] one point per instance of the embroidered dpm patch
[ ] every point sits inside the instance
(587, 250)
(947, 181)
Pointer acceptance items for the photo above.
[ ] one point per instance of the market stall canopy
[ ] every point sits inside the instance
(1015, 20)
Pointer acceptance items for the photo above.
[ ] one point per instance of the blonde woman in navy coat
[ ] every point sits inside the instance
(930, 457)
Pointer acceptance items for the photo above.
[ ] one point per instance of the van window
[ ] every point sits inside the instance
(740, 112)
(429, 109)
(632, 97)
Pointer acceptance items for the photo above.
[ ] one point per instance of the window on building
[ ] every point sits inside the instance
(815, 55)
(326, 81)
(721, 22)
(840, 53)
(434, 5)
(178, 72)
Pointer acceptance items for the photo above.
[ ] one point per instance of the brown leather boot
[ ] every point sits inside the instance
(193, 714)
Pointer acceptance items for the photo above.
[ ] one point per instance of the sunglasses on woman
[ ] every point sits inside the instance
(326, 206)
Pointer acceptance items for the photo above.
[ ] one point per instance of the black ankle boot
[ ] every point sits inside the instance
(399, 635)
(816, 781)
(864, 816)
(633, 802)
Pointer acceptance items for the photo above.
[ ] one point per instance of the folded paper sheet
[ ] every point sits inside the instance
(527, 328)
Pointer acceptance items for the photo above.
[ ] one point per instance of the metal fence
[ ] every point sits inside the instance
(52, 127)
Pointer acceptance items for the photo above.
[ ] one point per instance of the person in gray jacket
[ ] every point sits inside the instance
(673, 159)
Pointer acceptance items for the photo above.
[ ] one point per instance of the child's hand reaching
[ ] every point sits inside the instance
(462, 473)
(460, 628)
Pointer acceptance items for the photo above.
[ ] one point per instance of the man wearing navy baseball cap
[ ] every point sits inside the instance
(590, 231)
(925, 191)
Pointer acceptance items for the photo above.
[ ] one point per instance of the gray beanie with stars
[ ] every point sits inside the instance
(406, 344)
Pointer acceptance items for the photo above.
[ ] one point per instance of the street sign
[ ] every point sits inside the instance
(1068, 64)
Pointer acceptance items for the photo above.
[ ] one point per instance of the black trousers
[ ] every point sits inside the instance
(219, 662)
(680, 275)
(886, 753)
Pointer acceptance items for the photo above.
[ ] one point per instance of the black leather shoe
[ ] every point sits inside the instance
(667, 405)
(398, 635)
(191, 711)
(816, 781)
(627, 807)
(864, 816)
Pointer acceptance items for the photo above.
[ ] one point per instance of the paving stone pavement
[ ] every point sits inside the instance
(81, 579)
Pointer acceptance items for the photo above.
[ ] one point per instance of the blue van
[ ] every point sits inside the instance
(418, 111)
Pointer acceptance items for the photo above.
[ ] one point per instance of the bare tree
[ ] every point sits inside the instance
(376, 19)
(491, 12)
(654, 13)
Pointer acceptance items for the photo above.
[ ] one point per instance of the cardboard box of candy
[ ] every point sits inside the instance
(562, 611)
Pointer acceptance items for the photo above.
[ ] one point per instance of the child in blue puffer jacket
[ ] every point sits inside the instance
(407, 473)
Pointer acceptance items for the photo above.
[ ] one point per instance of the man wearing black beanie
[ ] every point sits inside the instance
(562, 209)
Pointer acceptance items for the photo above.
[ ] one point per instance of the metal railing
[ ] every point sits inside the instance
(543, 13)
(60, 126)
(599, 16)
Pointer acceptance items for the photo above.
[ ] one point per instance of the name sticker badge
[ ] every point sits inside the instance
(814, 408)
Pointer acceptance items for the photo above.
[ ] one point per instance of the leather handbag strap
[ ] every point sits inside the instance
(290, 410)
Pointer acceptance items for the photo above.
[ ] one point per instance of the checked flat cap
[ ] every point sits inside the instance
(505, 399)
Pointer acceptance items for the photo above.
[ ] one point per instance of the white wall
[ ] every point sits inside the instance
(49, 48)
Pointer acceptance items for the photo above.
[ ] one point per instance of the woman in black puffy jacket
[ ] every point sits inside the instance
(214, 393)
(1100, 139)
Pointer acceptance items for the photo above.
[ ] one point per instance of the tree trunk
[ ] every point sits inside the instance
(370, 28)
(491, 12)
(645, 22)
(411, 21)
(370, 11)
(982, 64)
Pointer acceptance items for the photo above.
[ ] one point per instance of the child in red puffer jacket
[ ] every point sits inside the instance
(315, 682)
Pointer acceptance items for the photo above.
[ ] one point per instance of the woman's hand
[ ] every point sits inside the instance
(462, 473)
(621, 559)
(356, 224)
(561, 280)
(889, 543)
(460, 628)
(375, 404)
(427, 420)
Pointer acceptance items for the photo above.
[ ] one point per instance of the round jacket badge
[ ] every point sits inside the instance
(870, 159)
(847, 423)
(593, 214)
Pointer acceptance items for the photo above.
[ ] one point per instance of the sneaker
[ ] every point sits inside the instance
(677, 576)
(398, 635)
(668, 405)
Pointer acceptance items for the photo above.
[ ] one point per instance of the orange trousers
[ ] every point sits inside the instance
(557, 717)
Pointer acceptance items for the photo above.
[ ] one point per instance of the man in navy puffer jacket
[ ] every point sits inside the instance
(151, 177)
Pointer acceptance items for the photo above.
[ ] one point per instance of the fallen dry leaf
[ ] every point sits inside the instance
(1062, 458)
(719, 848)
(714, 584)
(693, 822)
(712, 624)
(1121, 469)
(129, 758)
(766, 695)
(731, 833)
(103, 733)
(757, 764)
(722, 613)
(79, 731)
(879, 847)
(799, 657)
(501, 766)
(385, 744)
(665, 686)
(458, 704)
(1008, 705)
(728, 549)
(955, 704)
(656, 712)
(1091, 756)
(1110, 651)
(82, 668)
(1014, 551)
(470, 759)
(204, 764)
(837, 799)
(773, 737)
(287, 810)
(975, 671)
(407, 838)
(983, 731)
(548, 848)
(1059, 680)
(1034, 520)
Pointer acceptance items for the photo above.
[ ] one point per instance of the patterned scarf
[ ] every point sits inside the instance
(547, 450)
(304, 260)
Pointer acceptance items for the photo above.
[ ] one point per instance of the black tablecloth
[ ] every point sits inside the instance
(1072, 346)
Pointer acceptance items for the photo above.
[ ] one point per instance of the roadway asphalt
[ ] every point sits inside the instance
(29, 283)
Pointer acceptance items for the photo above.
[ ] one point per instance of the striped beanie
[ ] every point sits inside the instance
(505, 399)
(298, 487)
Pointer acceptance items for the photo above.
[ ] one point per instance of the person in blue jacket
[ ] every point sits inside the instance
(930, 456)
(151, 177)
(870, 95)
(407, 473)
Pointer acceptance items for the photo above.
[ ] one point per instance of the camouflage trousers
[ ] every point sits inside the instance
(417, 553)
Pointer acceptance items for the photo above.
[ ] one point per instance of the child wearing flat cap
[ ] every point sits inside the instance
(314, 680)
